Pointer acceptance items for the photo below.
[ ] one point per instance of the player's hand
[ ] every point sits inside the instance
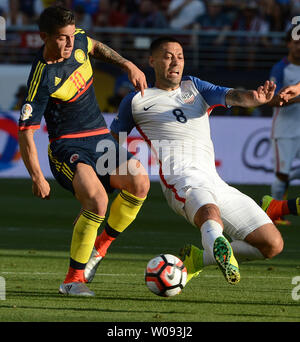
(289, 92)
(136, 77)
(265, 93)
(41, 189)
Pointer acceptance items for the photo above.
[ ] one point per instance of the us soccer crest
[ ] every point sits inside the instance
(187, 94)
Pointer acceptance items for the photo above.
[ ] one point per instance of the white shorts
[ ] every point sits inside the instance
(240, 214)
(285, 150)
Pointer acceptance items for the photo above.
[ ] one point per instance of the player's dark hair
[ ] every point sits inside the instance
(54, 18)
(155, 45)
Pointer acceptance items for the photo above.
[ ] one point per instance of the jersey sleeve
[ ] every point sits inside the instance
(36, 99)
(276, 75)
(124, 122)
(81, 34)
(212, 94)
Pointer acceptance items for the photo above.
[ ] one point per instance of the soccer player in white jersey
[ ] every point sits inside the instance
(286, 121)
(174, 116)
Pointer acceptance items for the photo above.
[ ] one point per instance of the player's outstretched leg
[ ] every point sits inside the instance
(123, 211)
(216, 245)
(226, 261)
(102, 243)
(84, 234)
(276, 209)
(192, 258)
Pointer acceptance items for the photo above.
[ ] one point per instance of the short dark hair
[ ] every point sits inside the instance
(156, 43)
(55, 17)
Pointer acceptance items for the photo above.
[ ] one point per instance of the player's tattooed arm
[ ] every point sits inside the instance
(108, 55)
(251, 98)
(234, 97)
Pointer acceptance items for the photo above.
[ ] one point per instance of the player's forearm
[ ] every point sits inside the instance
(241, 98)
(29, 154)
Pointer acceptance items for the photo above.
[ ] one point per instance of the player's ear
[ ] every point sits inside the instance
(150, 60)
(43, 36)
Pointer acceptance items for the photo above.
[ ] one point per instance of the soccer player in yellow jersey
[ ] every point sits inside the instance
(60, 88)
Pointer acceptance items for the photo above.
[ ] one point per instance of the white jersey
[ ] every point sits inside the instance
(175, 125)
(286, 119)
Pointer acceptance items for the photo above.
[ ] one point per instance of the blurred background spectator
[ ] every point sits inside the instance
(214, 19)
(226, 35)
(112, 13)
(4, 9)
(182, 13)
(119, 13)
(102, 15)
(271, 12)
(91, 7)
(122, 87)
(22, 12)
(19, 98)
(147, 15)
(249, 20)
(83, 19)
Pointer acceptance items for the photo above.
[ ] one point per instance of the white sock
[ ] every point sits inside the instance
(278, 189)
(208, 259)
(210, 231)
(243, 251)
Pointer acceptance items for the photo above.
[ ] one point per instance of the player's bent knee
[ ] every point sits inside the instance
(139, 183)
(267, 239)
(139, 186)
(96, 203)
(273, 247)
(277, 247)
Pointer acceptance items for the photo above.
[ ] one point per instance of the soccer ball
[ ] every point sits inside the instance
(165, 275)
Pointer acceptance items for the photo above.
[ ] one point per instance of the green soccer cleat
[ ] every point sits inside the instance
(226, 261)
(192, 258)
(265, 202)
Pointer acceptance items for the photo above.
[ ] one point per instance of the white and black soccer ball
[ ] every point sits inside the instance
(165, 275)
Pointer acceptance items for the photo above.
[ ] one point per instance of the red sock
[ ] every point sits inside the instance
(285, 208)
(278, 209)
(102, 243)
(74, 275)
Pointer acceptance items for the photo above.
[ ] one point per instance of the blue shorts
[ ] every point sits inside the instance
(101, 152)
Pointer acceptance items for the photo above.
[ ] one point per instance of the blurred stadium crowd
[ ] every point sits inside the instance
(220, 37)
(259, 15)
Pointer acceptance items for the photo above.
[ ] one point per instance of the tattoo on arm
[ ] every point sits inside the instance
(236, 97)
(106, 54)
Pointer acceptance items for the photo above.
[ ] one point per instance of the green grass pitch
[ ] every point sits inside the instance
(35, 237)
